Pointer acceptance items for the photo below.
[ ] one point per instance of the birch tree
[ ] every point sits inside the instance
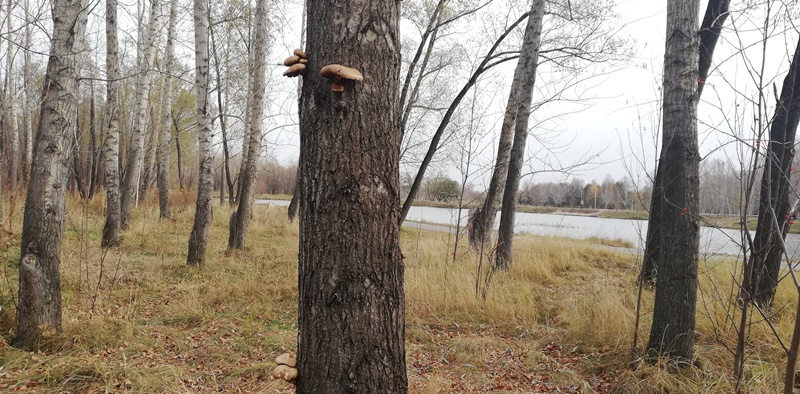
(198, 239)
(113, 221)
(13, 154)
(166, 116)
(133, 169)
(39, 306)
(240, 219)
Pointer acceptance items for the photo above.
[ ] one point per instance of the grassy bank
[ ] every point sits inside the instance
(137, 319)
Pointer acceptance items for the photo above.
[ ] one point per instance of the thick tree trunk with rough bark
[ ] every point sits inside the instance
(205, 183)
(133, 168)
(481, 222)
(111, 146)
(672, 332)
(529, 58)
(39, 308)
(774, 208)
(166, 116)
(240, 219)
(352, 305)
(713, 21)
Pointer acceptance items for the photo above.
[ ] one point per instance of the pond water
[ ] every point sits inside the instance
(712, 240)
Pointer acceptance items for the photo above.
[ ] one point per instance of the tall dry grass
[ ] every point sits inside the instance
(137, 319)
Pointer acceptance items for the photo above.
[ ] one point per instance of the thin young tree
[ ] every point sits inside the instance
(352, 307)
(39, 307)
(113, 222)
(240, 219)
(198, 239)
(529, 57)
(10, 121)
(133, 168)
(672, 332)
(166, 116)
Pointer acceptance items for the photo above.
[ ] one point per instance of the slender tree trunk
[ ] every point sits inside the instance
(529, 58)
(481, 222)
(437, 136)
(223, 124)
(178, 153)
(11, 113)
(205, 183)
(166, 116)
(133, 168)
(113, 222)
(93, 164)
(713, 21)
(352, 307)
(672, 332)
(151, 146)
(39, 307)
(240, 219)
(27, 94)
(774, 208)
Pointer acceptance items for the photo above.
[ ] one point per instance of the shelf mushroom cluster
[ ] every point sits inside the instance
(296, 63)
(287, 367)
(335, 72)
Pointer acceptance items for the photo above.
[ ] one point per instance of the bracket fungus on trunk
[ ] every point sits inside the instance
(296, 63)
(336, 73)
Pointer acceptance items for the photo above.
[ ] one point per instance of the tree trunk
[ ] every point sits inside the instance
(205, 183)
(223, 124)
(113, 222)
(774, 209)
(437, 136)
(151, 146)
(39, 307)
(133, 168)
(95, 152)
(352, 307)
(178, 152)
(529, 60)
(481, 222)
(240, 219)
(672, 332)
(714, 19)
(11, 114)
(166, 116)
(27, 79)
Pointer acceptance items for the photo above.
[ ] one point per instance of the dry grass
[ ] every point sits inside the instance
(139, 320)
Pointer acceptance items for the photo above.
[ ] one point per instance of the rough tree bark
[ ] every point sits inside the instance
(774, 207)
(130, 182)
(166, 116)
(352, 306)
(529, 58)
(672, 332)
(205, 183)
(240, 219)
(713, 21)
(113, 222)
(39, 307)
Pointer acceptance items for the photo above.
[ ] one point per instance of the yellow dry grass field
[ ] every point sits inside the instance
(137, 319)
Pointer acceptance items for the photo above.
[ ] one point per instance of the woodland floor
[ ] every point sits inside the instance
(137, 319)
